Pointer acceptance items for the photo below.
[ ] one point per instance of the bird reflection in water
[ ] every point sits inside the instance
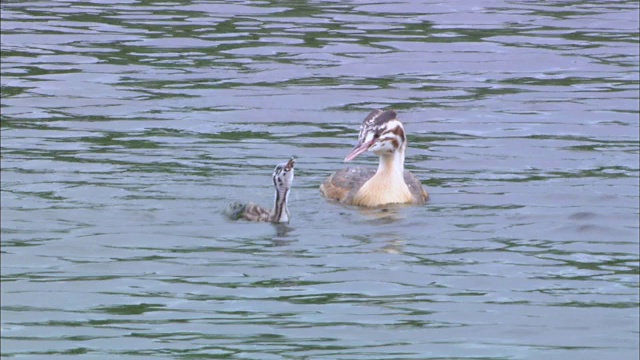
(282, 237)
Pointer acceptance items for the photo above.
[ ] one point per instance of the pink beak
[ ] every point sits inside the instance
(359, 149)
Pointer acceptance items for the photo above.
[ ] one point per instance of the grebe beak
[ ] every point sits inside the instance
(360, 148)
(290, 164)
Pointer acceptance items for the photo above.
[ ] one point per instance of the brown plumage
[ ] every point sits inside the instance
(250, 211)
(383, 134)
(343, 185)
(283, 176)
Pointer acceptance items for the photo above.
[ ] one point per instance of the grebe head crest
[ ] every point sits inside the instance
(381, 133)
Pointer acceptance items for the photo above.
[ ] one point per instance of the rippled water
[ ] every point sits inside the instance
(128, 127)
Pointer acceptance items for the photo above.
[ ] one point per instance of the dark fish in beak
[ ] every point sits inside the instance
(290, 164)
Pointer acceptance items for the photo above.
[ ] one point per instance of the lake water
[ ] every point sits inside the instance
(128, 127)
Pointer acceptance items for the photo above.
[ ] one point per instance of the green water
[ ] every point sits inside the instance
(128, 127)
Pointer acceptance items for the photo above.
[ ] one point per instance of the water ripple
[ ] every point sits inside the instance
(128, 127)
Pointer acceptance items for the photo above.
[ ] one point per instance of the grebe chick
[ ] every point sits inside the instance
(282, 180)
(383, 134)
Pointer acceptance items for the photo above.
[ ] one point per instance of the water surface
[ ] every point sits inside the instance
(128, 127)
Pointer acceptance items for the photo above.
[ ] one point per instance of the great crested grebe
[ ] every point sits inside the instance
(383, 134)
(282, 180)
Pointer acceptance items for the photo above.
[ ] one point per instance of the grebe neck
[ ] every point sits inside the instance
(387, 186)
(280, 212)
(392, 165)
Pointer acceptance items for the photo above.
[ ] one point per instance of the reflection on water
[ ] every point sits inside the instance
(282, 234)
(387, 214)
(127, 128)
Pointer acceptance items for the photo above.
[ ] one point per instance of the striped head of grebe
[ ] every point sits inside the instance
(381, 133)
(283, 175)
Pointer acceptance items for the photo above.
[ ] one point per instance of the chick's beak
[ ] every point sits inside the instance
(290, 164)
